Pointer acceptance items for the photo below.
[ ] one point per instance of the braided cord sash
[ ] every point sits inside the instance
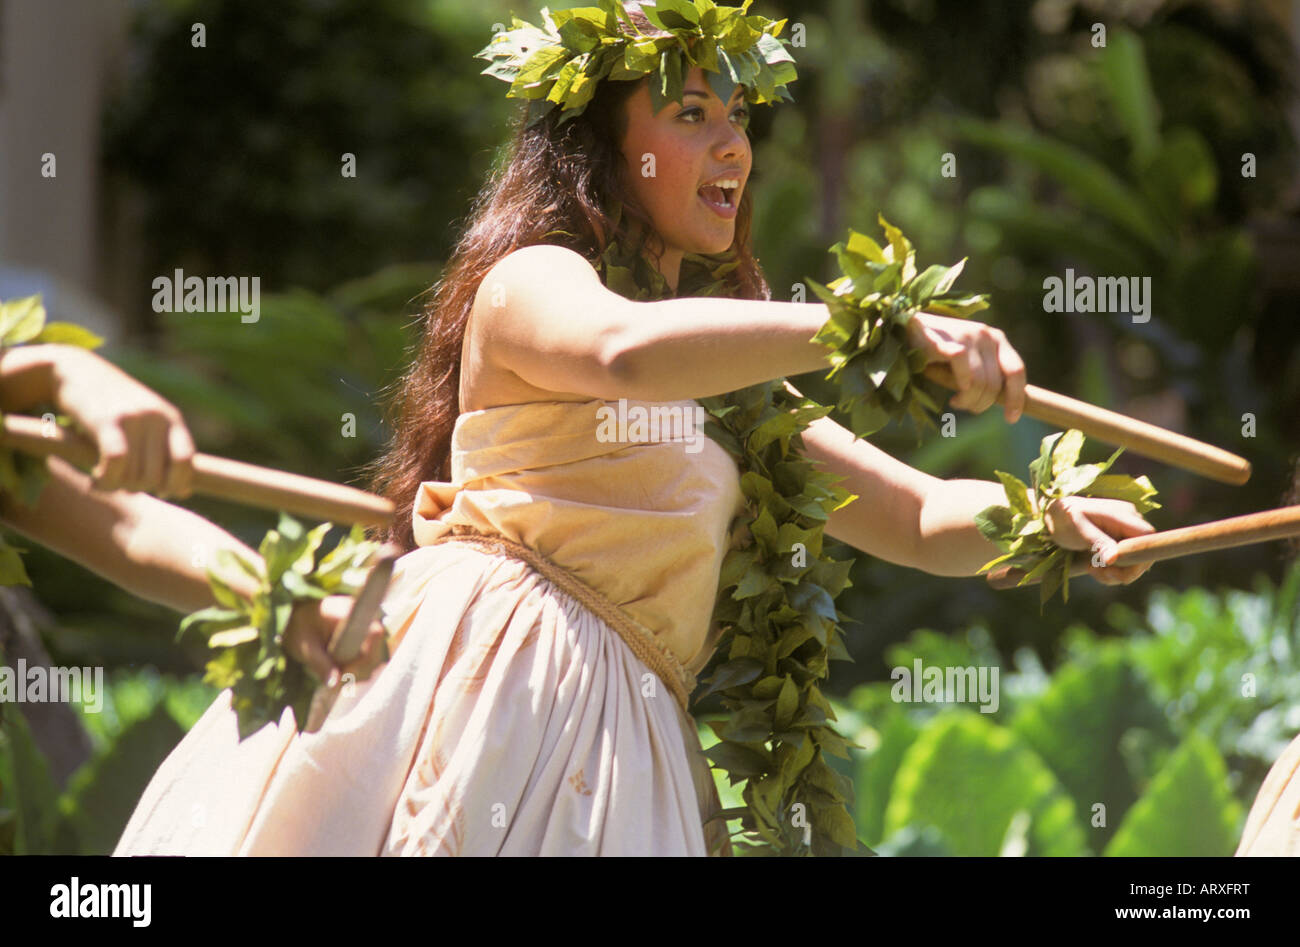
(643, 643)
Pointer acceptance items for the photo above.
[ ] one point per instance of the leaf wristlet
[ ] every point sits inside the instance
(879, 374)
(1020, 528)
(23, 322)
(246, 635)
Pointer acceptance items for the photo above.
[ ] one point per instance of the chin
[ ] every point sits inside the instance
(717, 245)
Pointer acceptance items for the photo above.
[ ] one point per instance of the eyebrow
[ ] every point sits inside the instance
(705, 95)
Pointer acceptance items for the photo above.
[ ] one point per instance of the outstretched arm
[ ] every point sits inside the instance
(542, 314)
(159, 551)
(151, 548)
(908, 517)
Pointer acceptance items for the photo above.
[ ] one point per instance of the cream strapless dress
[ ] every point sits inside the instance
(1273, 824)
(511, 719)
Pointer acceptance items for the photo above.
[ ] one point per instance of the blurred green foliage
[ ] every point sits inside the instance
(235, 150)
(1150, 740)
(143, 717)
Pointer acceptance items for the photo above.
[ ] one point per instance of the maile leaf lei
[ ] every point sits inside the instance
(561, 63)
(880, 376)
(246, 635)
(23, 476)
(1020, 528)
(776, 602)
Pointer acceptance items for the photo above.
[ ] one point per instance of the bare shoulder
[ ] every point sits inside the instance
(528, 309)
(520, 274)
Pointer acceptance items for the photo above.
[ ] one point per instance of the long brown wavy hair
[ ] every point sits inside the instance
(552, 178)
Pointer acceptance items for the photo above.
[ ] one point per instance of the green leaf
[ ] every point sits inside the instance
(68, 333)
(21, 320)
(1190, 791)
(1066, 452)
(1123, 68)
(1136, 490)
(1017, 493)
(1041, 470)
(233, 636)
(993, 522)
(1078, 725)
(734, 674)
(1077, 479)
(12, 570)
(934, 281)
(968, 777)
(787, 702)
(213, 614)
(738, 760)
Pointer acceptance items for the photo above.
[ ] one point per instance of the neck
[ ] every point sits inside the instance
(669, 266)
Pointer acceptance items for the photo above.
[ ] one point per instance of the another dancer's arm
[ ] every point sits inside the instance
(147, 546)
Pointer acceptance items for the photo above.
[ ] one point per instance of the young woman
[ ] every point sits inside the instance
(558, 586)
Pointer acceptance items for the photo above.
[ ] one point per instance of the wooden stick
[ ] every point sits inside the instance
(262, 487)
(1235, 531)
(1177, 450)
(345, 645)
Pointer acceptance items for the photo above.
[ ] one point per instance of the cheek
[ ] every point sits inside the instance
(675, 175)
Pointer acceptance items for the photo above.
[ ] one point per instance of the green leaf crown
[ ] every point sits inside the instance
(562, 61)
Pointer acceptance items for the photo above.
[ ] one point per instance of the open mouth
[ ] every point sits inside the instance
(719, 195)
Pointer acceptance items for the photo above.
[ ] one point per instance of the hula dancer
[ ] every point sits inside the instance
(561, 588)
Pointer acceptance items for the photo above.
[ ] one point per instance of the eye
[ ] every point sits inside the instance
(693, 110)
(743, 112)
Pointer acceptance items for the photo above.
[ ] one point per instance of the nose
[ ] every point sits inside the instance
(732, 143)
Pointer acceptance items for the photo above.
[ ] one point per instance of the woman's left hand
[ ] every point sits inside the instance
(1095, 523)
(981, 359)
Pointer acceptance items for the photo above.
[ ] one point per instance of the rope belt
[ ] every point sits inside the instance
(649, 649)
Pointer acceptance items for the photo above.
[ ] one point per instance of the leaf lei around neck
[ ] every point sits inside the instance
(776, 601)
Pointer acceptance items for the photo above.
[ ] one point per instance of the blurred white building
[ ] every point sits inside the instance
(57, 61)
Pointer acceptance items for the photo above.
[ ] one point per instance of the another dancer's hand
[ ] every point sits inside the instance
(143, 442)
(312, 625)
(982, 361)
(1095, 524)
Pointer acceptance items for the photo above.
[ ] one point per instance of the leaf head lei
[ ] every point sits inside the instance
(560, 63)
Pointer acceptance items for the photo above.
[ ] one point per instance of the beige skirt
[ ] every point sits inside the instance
(510, 720)
(1273, 825)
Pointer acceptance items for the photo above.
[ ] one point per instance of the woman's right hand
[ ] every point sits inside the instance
(982, 362)
(142, 439)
